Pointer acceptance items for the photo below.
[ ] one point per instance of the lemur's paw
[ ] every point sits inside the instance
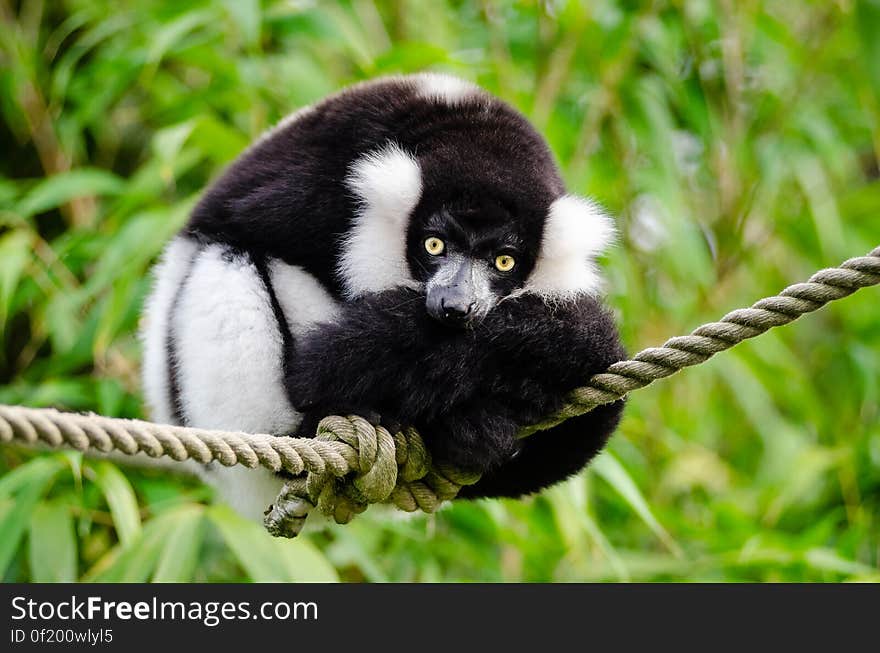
(312, 418)
(389, 423)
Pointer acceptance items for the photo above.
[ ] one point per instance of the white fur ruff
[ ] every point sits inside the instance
(388, 184)
(576, 231)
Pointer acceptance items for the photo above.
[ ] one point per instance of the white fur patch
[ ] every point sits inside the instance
(229, 353)
(447, 88)
(303, 299)
(229, 349)
(167, 277)
(576, 231)
(388, 183)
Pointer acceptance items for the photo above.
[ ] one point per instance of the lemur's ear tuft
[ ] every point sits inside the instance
(387, 184)
(575, 232)
(445, 88)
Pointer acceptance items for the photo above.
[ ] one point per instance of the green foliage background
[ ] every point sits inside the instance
(736, 142)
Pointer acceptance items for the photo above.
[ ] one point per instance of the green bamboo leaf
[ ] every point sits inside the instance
(825, 559)
(613, 473)
(180, 555)
(110, 396)
(15, 252)
(172, 33)
(15, 521)
(410, 57)
(868, 24)
(114, 313)
(31, 472)
(246, 15)
(571, 510)
(168, 142)
(134, 245)
(52, 543)
(69, 393)
(252, 546)
(217, 140)
(120, 498)
(62, 321)
(8, 192)
(61, 188)
(266, 559)
(73, 460)
(304, 562)
(135, 562)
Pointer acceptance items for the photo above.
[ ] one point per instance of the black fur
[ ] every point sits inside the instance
(468, 391)
(280, 319)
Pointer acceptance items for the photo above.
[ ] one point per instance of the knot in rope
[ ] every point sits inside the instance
(381, 467)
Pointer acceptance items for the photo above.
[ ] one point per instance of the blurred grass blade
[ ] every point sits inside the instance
(61, 188)
(120, 498)
(266, 559)
(15, 521)
(180, 554)
(30, 473)
(247, 18)
(52, 544)
(571, 512)
(136, 561)
(171, 33)
(253, 547)
(168, 142)
(868, 22)
(15, 252)
(304, 562)
(613, 473)
(826, 559)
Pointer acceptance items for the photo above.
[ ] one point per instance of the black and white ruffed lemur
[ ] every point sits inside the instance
(404, 249)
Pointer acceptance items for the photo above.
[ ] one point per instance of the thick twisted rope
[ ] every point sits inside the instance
(351, 463)
(389, 468)
(376, 467)
(707, 340)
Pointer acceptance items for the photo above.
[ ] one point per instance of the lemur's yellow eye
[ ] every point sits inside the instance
(504, 262)
(435, 246)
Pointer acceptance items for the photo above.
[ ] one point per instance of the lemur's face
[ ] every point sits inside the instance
(476, 230)
(468, 259)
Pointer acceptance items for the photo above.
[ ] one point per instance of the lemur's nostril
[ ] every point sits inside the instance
(455, 310)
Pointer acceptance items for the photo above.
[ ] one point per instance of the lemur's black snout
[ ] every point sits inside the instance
(454, 303)
(456, 310)
(450, 306)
